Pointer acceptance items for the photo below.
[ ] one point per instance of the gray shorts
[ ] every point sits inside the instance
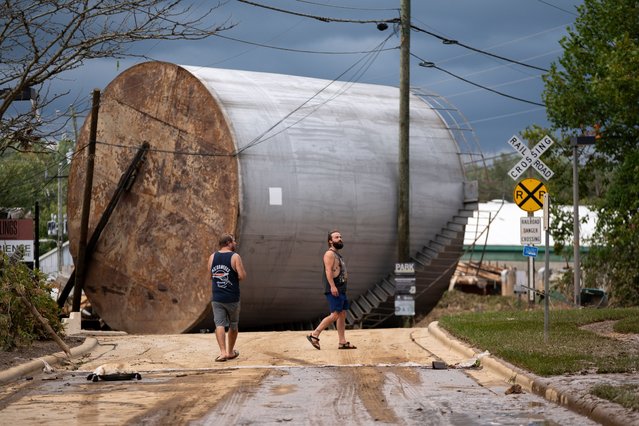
(226, 314)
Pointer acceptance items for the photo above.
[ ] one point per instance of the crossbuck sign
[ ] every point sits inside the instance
(530, 157)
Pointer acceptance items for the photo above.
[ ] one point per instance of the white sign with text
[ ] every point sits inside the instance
(530, 230)
(530, 157)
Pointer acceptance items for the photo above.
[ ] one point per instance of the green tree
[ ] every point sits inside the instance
(493, 179)
(28, 177)
(594, 90)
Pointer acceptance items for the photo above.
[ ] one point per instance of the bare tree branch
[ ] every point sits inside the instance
(40, 39)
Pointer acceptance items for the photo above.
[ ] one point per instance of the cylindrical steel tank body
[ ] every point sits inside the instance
(276, 160)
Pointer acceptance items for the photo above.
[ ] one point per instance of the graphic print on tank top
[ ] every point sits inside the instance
(220, 274)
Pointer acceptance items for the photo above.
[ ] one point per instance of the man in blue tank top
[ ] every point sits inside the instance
(334, 279)
(226, 272)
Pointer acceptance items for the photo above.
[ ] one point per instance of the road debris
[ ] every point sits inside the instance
(113, 372)
(474, 362)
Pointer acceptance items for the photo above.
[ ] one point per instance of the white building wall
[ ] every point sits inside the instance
(49, 261)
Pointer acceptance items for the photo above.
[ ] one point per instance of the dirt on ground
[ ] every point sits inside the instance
(451, 303)
(276, 379)
(37, 349)
(181, 365)
(148, 354)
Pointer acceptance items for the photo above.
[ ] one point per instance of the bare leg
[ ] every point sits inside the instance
(341, 327)
(232, 337)
(328, 320)
(220, 336)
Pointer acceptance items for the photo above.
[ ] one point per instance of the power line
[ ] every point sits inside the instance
(297, 50)
(516, 40)
(428, 64)
(483, 52)
(368, 59)
(557, 7)
(321, 18)
(34, 177)
(168, 151)
(497, 117)
(345, 7)
(445, 40)
(260, 138)
(505, 83)
(328, 19)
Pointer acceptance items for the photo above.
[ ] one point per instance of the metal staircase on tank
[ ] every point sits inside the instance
(434, 265)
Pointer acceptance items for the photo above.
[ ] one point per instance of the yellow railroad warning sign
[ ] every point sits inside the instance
(529, 194)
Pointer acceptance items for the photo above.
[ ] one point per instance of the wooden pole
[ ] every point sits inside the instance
(403, 207)
(86, 204)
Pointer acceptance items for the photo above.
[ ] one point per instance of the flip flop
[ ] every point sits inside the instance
(314, 341)
(220, 358)
(346, 345)
(235, 355)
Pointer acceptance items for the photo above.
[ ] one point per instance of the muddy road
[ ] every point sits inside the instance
(279, 378)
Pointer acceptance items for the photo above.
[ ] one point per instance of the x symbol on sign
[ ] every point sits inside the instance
(531, 194)
(530, 157)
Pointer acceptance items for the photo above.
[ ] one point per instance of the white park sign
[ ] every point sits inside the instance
(530, 157)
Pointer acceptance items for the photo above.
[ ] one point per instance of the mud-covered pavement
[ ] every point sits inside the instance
(278, 378)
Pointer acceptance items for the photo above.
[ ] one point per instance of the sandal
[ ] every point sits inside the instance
(346, 345)
(235, 355)
(314, 341)
(220, 358)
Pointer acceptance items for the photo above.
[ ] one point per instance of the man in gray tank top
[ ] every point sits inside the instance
(334, 279)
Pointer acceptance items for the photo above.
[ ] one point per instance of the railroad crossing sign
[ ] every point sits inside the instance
(530, 157)
(529, 194)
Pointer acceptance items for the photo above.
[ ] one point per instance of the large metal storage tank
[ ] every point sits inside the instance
(278, 161)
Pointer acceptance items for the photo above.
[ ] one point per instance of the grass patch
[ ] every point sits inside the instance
(518, 337)
(627, 325)
(624, 395)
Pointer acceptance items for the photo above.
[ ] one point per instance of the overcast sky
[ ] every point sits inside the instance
(526, 31)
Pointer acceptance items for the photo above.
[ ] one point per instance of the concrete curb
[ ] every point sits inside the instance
(18, 371)
(529, 381)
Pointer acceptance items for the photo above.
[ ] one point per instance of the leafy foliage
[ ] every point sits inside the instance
(18, 326)
(28, 177)
(494, 182)
(598, 87)
(596, 92)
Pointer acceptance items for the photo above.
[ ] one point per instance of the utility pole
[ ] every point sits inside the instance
(60, 220)
(60, 215)
(403, 206)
